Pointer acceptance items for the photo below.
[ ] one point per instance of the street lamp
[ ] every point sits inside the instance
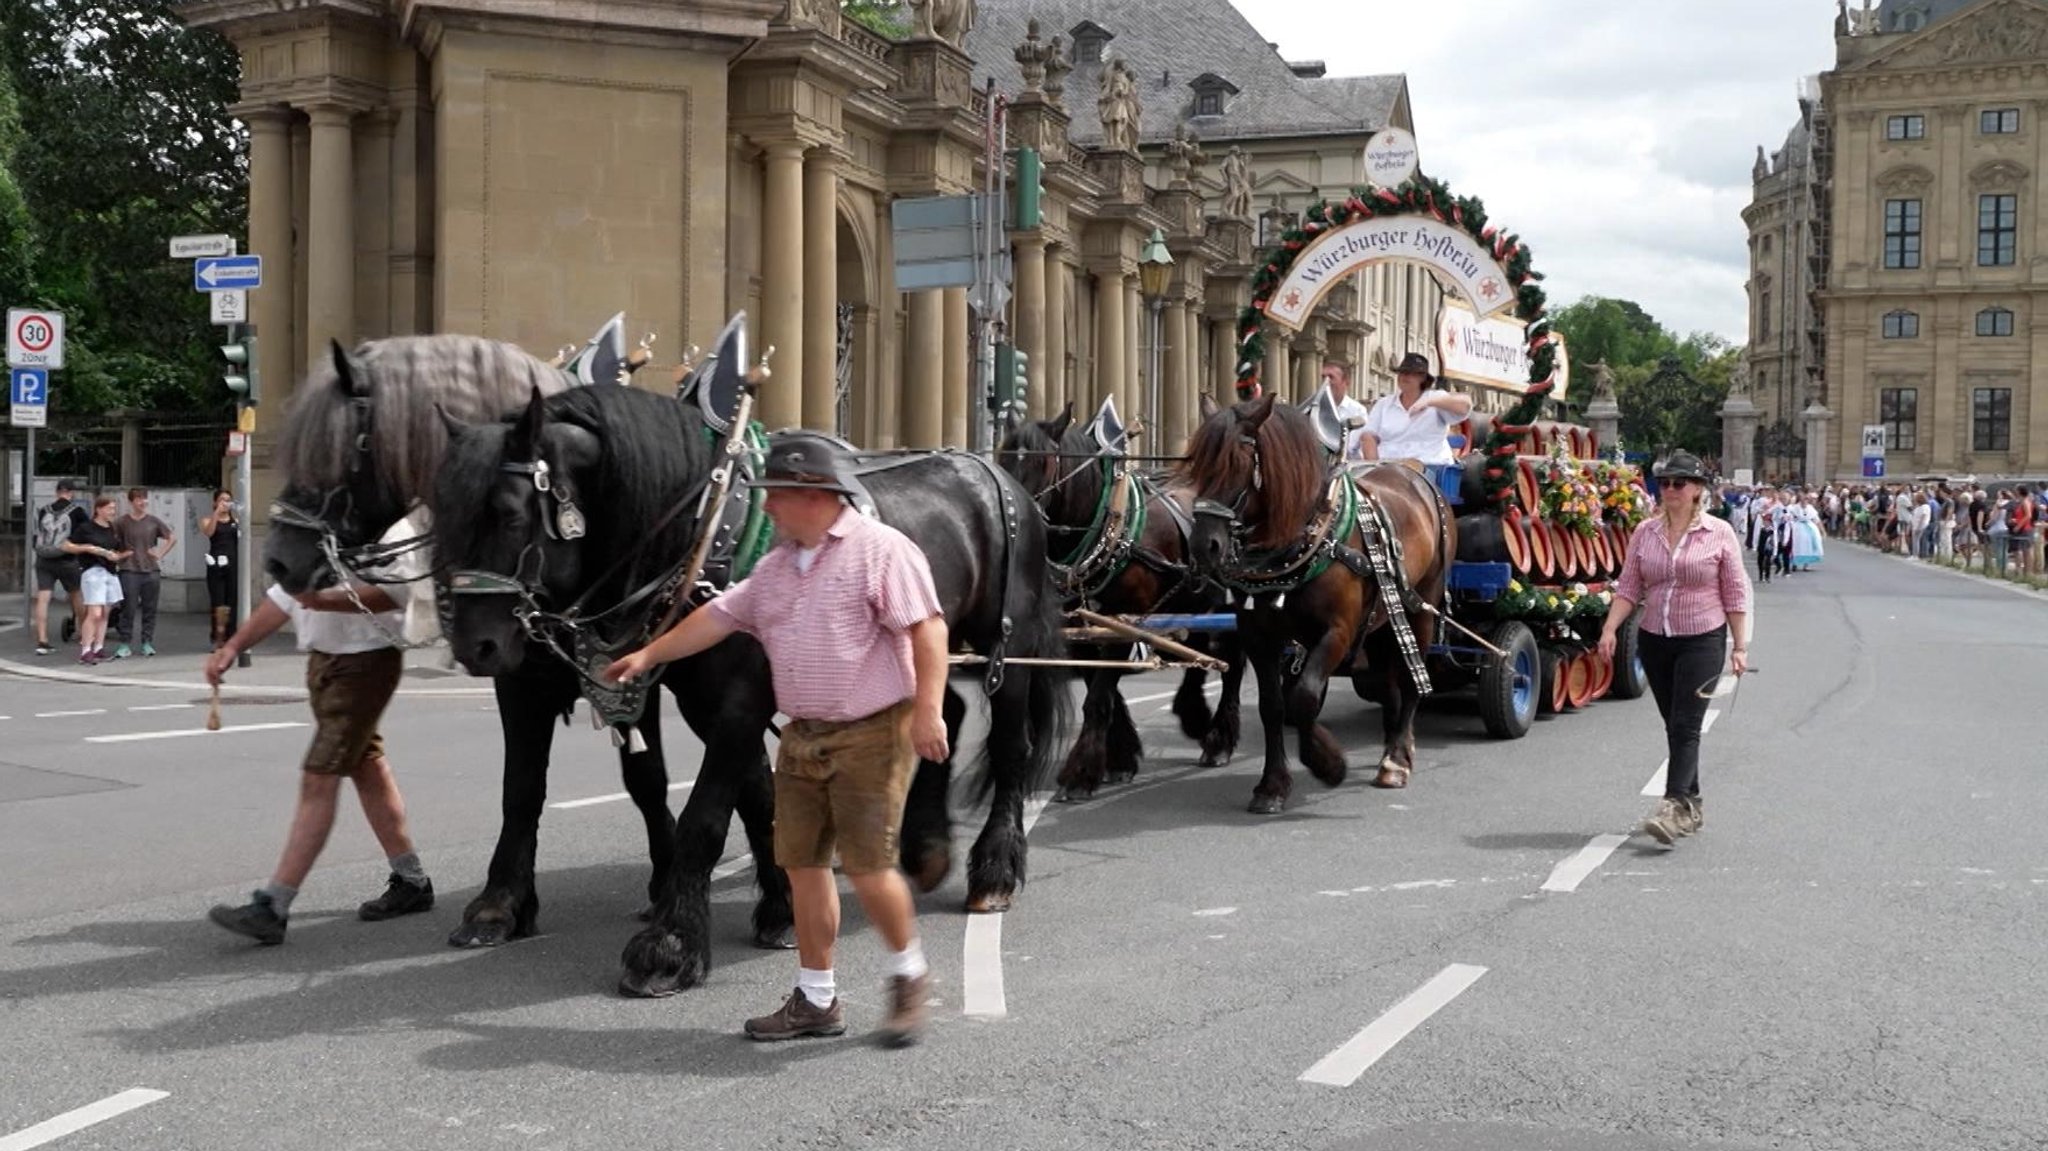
(1155, 269)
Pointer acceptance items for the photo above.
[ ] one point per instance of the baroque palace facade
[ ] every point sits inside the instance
(521, 170)
(1899, 246)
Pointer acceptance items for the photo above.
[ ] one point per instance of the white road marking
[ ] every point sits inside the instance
(163, 707)
(1415, 884)
(1342, 1067)
(1213, 687)
(1568, 875)
(68, 714)
(74, 1121)
(1656, 785)
(138, 736)
(727, 870)
(981, 960)
(1335, 893)
(593, 801)
(1217, 911)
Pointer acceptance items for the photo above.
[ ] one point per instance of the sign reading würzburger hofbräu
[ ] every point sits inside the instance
(1342, 251)
(1491, 352)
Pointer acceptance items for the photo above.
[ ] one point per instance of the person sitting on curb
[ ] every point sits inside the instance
(352, 671)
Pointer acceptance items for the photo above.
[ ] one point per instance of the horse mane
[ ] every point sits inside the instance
(471, 378)
(1292, 470)
(655, 449)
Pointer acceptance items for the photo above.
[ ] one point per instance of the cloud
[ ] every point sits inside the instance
(1616, 136)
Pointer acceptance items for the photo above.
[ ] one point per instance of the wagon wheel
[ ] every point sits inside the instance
(1508, 686)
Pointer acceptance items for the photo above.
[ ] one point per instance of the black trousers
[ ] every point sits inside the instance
(1678, 667)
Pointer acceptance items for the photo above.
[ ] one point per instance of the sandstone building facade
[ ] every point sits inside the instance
(1934, 305)
(521, 170)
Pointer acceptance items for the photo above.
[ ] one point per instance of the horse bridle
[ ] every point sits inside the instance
(1232, 514)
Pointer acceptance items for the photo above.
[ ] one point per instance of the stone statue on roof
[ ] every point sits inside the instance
(1841, 17)
(1237, 185)
(1117, 105)
(1863, 23)
(948, 20)
(1763, 166)
(1184, 155)
(1057, 65)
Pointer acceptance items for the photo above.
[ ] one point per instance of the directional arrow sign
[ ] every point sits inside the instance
(226, 273)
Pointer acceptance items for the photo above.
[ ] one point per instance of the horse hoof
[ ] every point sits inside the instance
(1122, 776)
(1391, 777)
(1267, 805)
(649, 987)
(776, 939)
(1213, 759)
(990, 903)
(929, 870)
(656, 965)
(481, 933)
(1073, 795)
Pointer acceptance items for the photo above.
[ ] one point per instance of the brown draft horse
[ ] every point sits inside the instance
(1122, 567)
(1271, 524)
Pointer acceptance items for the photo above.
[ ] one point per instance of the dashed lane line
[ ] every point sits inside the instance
(163, 707)
(69, 714)
(1342, 1067)
(981, 961)
(181, 733)
(1568, 875)
(72, 1122)
(593, 801)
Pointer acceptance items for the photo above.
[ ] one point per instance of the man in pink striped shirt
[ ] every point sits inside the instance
(846, 609)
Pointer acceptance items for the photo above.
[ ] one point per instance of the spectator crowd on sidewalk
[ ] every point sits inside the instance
(1993, 528)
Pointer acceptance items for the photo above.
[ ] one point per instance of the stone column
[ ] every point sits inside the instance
(1603, 415)
(924, 351)
(302, 244)
(373, 227)
(821, 291)
(1173, 381)
(1817, 419)
(1031, 302)
(331, 253)
(1058, 299)
(1137, 337)
(1222, 362)
(270, 236)
(1739, 417)
(1279, 374)
(782, 283)
(1191, 388)
(1110, 342)
(954, 368)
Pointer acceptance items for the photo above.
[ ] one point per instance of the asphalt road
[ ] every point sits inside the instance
(1847, 957)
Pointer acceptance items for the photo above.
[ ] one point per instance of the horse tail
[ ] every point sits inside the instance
(1032, 605)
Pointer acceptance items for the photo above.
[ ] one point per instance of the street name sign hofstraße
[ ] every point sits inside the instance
(35, 338)
(192, 247)
(225, 273)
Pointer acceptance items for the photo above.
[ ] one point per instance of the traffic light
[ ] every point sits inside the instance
(1030, 190)
(1013, 379)
(242, 377)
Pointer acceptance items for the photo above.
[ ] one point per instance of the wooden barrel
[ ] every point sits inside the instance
(1472, 481)
(1550, 693)
(1603, 676)
(1528, 492)
(1482, 539)
(1598, 558)
(1617, 537)
(1565, 564)
(1515, 539)
(1579, 676)
(1542, 551)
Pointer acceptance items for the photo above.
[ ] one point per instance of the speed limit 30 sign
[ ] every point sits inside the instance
(35, 338)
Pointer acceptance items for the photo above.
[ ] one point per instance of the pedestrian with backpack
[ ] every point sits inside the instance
(56, 564)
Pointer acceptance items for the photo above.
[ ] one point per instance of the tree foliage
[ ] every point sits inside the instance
(1660, 410)
(124, 142)
(883, 17)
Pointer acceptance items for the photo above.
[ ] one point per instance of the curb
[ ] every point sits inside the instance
(1978, 578)
(227, 690)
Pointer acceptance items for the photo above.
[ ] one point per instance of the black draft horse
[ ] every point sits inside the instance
(362, 442)
(629, 459)
(1137, 569)
(1272, 524)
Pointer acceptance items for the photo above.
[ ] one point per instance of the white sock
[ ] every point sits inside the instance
(909, 962)
(818, 986)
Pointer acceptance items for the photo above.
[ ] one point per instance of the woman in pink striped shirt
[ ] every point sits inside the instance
(1684, 569)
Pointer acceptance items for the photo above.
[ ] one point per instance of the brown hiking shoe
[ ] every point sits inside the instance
(906, 1010)
(1667, 823)
(798, 1018)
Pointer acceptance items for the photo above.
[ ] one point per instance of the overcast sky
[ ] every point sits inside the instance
(1616, 136)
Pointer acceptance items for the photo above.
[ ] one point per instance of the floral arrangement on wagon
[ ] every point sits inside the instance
(1623, 500)
(1568, 495)
(1575, 606)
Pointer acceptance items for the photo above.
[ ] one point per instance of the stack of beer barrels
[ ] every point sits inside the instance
(1541, 552)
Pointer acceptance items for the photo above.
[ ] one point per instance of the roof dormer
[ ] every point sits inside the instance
(1091, 42)
(1212, 94)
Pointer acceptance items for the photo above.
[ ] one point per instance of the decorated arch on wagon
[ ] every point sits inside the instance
(1418, 222)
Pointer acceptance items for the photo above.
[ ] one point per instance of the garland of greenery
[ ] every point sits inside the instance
(1420, 196)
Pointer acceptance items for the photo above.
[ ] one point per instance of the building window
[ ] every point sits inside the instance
(1209, 104)
(1998, 121)
(1763, 317)
(1991, 419)
(1898, 409)
(1902, 233)
(1998, 230)
(1994, 322)
(1901, 326)
(1767, 246)
(1905, 128)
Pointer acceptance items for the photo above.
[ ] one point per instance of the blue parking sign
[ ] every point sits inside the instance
(29, 386)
